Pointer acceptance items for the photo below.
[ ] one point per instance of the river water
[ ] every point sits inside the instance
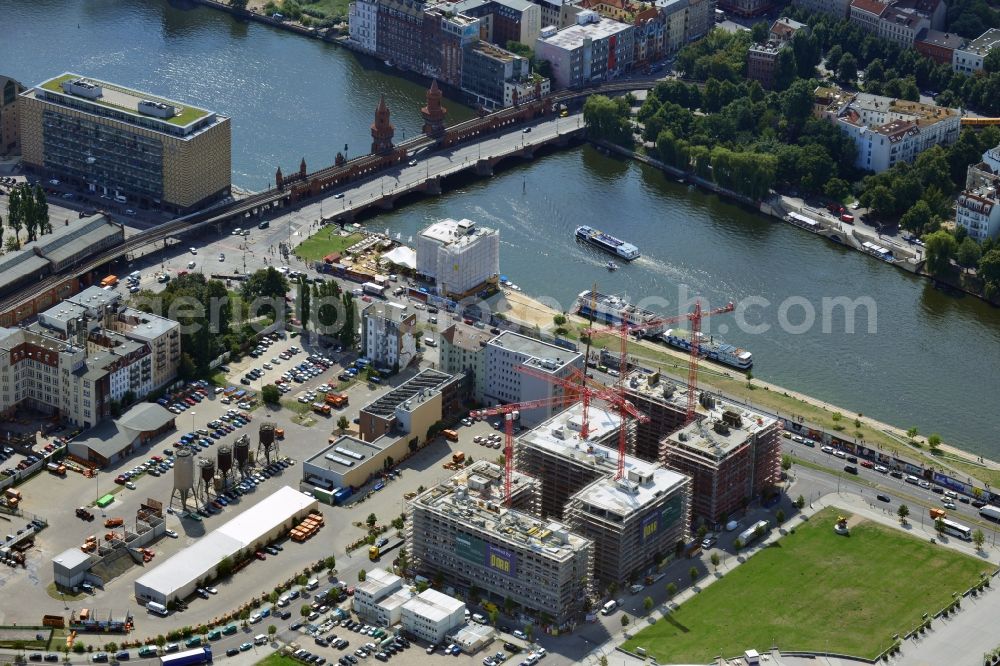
(931, 361)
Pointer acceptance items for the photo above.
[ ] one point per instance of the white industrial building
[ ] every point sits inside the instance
(370, 594)
(387, 335)
(178, 576)
(461, 257)
(431, 615)
(70, 568)
(506, 383)
(362, 24)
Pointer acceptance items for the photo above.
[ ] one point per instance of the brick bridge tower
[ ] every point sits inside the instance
(382, 130)
(434, 113)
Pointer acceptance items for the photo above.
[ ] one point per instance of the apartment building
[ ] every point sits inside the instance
(460, 256)
(650, 37)
(463, 350)
(866, 14)
(486, 71)
(144, 150)
(432, 615)
(447, 35)
(902, 25)
(977, 208)
(503, 21)
(387, 337)
(462, 531)
(685, 21)
(161, 335)
(746, 8)
(762, 59)
(886, 130)
(634, 521)
(507, 383)
(10, 133)
(838, 9)
(399, 33)
(362, 19)
(732, 454)
(595, 49)
(939, 46)
(664, 404)
(968, 58)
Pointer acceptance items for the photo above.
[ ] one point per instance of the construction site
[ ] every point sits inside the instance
(463, 530)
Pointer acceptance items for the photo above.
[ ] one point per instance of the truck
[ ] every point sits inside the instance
(321, 408)
(337, 400)
(458, 457)
(751, 533)
(937, 513)
(110, 281)
(450, 435)
(200, 655)
(13, 496)
(114, 522)
(157, 608)
(991, 512)
(373, 289)
(56, 468)
(373, 553)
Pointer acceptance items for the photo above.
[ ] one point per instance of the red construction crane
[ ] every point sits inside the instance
(624, 328)
(507, 412)
(575, 385)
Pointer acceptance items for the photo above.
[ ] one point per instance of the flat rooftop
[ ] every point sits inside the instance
(388, 310)
(423, 383)
(144, 325)
(347, 452)
(124, 103)
(434, 605)
(450, 232)
(553, 356)
(573, 36)
(984, 43)
(94, 298)
(377, 580)
(727, 427)
(474, 497)
(560, 435)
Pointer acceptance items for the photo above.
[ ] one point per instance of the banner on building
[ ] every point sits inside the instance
(502, 560)
(470, 548)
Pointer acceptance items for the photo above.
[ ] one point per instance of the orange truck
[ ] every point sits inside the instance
(109, 281)
(114, 522)
(336, 400)
(937, 513)
(450, 435)
(321, 408)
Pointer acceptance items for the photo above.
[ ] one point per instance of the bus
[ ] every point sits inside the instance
(201, 655)
(991, 512)
(957, 530)
(109, 281)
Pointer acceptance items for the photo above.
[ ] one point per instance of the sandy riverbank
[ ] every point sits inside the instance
(528, 311)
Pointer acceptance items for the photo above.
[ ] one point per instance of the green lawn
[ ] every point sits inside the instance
(277, 659)
(326, 241)
(815, 590)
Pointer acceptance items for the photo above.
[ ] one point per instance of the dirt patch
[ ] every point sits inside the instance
(855, 520)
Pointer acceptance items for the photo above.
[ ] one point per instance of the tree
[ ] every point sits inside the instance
(304, 302)
(608, 119)
(224, 568)
(671, 590)
(271, 394)
(238, 4)
(693, 572)
(837, 189)
(978, 538)
(624, 620)
(305, 610)
(800, 502)
(267, 283)
(939, 526)
(939, 248)
(779, 516)
(737, 545)
(968, 253)
(41, 210)
(833, 57)
(715, 561)
(903, 512)
(508, 605)
(529, 629)
(371, 520)
(917, 218)
(934, 441)
(559, 320)
(15, 219)
(271, 630)
(647, 603)
(786, 462)
(603, 660)
(362, 575)
(847, 68)
(348, 334)
(494, 615)
(343, 423)
(759, 32)
(881, 201)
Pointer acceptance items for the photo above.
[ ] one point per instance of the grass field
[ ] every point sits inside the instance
(815, 590)
(277, 659)
(325, 241)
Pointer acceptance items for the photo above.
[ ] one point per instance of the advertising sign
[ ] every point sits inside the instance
(501, 560)
(470, 548)
(650, 526)
(671, 512)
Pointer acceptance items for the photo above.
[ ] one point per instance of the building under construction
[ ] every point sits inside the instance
(634, 521)
(733, 455)
(664, 403)
(462, 531)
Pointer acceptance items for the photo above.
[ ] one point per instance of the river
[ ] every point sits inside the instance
(931, 362)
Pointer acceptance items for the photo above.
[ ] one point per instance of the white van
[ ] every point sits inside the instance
(120, 199)
(159, 609)
(260, 639)
(135, 275)
(312, 584)
(609, 607)
(430, 342)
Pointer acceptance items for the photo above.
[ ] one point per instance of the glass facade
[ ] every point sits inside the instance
(107, 159)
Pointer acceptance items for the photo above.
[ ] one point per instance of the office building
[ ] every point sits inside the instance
(462, 531)
(463, 350)
(731, 453)
(362, 23)
(350, 462)
(506, 383)
(162, 335)
(432, 615)
(634, 521)
(387, 337)
(370, 594)
(146, 151)
(459, 256)
(977, 209)
(887, 131)
(939, 46)
(10, 132)
(503, 21)
(595, 49)
(969, 58)
(486, 70)
(413, 406)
